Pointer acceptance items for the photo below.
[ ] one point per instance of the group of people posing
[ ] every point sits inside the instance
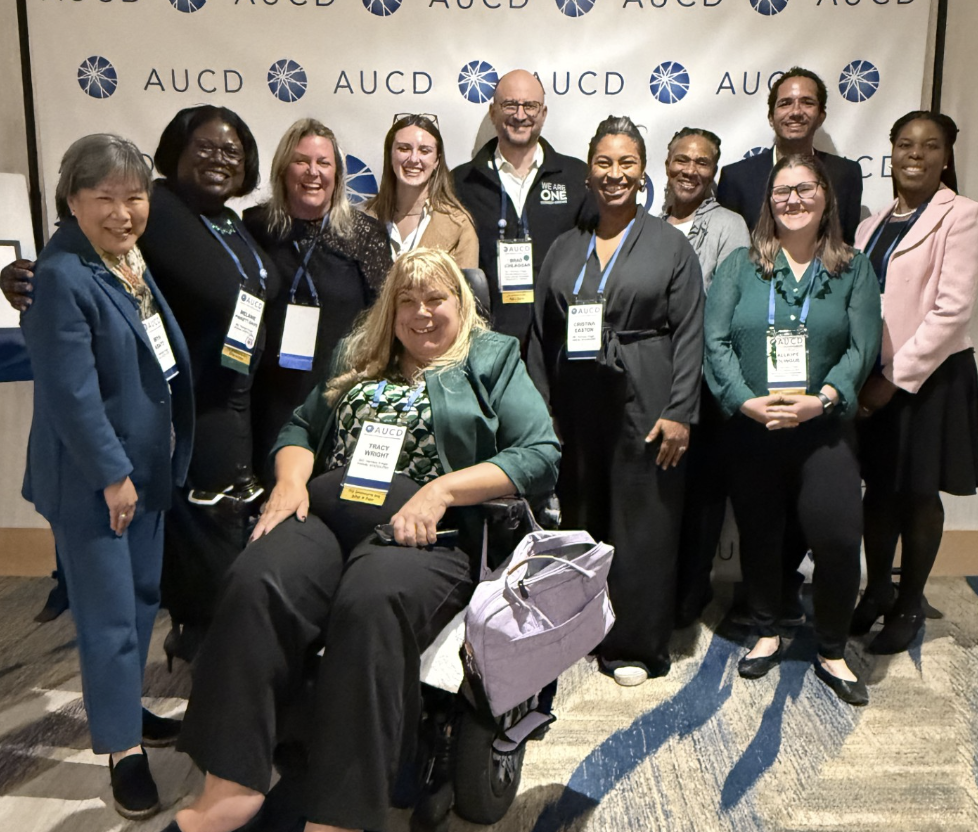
(755, 340)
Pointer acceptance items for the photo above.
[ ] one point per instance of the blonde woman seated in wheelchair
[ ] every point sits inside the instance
(422, 370)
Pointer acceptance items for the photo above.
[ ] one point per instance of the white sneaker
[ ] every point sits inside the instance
(629, 676)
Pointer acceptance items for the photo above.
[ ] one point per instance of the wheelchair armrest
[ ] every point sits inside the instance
(511, 511)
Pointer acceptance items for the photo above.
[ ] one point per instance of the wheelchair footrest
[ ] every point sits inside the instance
(512, 738)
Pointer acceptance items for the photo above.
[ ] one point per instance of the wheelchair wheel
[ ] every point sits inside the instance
(485, 780)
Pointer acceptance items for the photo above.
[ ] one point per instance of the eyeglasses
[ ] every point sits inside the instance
(428, 116)
(209, 150)
(805, 191)
(531, 108)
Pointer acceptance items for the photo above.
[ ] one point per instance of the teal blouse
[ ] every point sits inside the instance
(845, 324)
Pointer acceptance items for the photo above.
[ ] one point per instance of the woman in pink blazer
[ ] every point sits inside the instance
(919, 434)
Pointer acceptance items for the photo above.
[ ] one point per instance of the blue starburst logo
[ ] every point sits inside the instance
(755, 151)
(382, 8)
(477, 81)
(769, 7)
(575, 8)
(361, 184)
(859, 81)
(97, 77)
(669, 82)
(188, 6)
(287, 80)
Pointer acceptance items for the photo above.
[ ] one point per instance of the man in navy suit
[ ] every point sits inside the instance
(795, 110)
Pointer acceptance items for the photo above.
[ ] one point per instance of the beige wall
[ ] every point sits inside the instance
(13, 142)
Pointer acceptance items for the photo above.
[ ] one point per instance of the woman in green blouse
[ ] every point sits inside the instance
(792, 330)
(475, 428)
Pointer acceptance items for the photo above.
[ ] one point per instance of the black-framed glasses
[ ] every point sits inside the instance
(805, 191)
(429, 116)
(208, 150)
(531, 108)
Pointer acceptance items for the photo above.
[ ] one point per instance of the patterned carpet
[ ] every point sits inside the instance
(700, 750)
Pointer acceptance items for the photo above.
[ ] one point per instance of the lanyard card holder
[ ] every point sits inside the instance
(373, 463)
(156, 333)
(298, 348)
(514, 266)
(239, 343)
(787, 360)
(584, 324)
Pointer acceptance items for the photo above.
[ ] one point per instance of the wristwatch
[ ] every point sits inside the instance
(827, 403)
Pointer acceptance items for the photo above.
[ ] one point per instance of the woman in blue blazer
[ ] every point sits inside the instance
(112, 430)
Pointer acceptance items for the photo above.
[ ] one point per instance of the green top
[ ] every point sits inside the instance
(419, 453)
(484, 410)
(844, 325)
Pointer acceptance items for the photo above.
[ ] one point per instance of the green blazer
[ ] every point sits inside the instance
(484, 410)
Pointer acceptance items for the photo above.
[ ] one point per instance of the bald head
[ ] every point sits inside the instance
(515, 127)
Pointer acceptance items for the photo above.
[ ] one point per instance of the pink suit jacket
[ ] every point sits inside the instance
(931, 284)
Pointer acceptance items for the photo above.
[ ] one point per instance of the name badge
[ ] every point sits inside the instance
(239, 343)
(584, 323)
(373, 463)
(161, 345)
(299, 337)
(514, 266)
(787, 360)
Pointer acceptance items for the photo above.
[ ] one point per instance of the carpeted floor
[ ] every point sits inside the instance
(699, 750)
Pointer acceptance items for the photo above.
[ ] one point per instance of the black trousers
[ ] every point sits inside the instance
(287, 594)
(610, 485)
(812, 467)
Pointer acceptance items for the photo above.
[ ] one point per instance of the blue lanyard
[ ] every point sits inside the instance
(608, 268)
(304, 268)
(524, 222)
(262, 273)
(899, 237)
(375, 401)
(815, 267)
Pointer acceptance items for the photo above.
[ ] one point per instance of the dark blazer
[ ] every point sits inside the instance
(102, 407)
(743, 183)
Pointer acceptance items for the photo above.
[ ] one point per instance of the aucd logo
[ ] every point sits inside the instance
(188, 6)
(97, 77)
(477, 81)
(382, 8)
(769, 7)
(361, 184)
(859, 81)
(669, 82)
(287, 80)
(755, 151)
(575, 8)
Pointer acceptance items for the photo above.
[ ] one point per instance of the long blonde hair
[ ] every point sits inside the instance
(372, 349)
(340, 210)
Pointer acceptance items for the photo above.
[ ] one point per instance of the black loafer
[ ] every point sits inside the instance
(898, 632)
(761, 665)
(133, 789)
(853, 693)
(159, 731)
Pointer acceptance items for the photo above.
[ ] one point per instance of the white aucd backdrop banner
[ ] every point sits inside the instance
(127, 66)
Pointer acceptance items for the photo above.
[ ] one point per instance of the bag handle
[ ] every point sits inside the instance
(513, 597)
(484, 570)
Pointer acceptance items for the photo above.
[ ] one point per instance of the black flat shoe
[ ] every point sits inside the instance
(159, 731)
(899, 630)
(853, 693)
(133, 788)
(869, 608)
(761, 665)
